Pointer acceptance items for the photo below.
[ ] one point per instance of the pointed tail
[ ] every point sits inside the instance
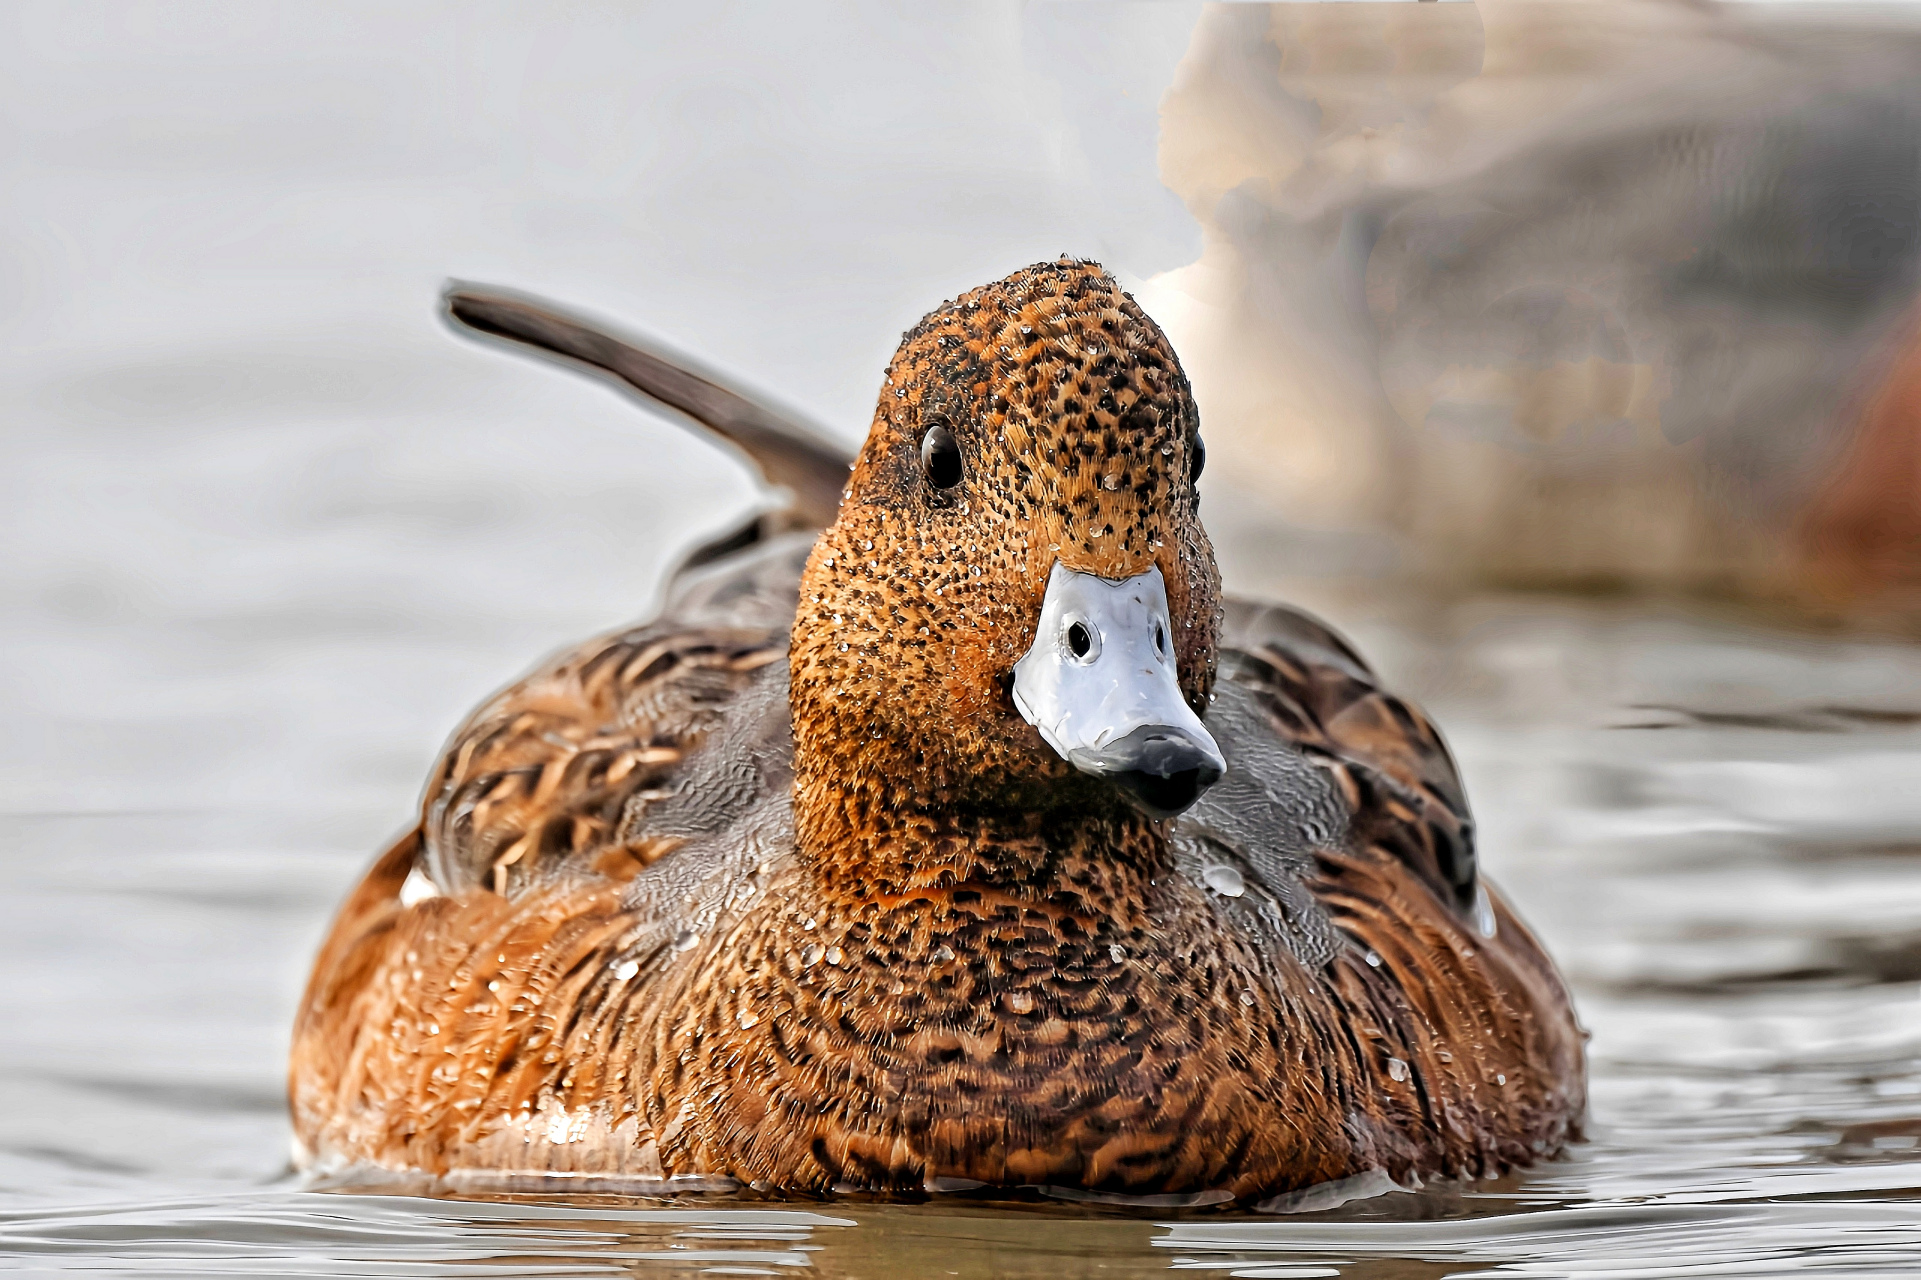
(788, 453)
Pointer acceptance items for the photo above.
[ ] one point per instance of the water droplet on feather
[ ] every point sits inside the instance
(1224, 880)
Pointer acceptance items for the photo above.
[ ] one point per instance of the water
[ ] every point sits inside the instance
(1713, 823)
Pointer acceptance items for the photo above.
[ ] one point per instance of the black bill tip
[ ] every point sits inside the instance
(1162, 770)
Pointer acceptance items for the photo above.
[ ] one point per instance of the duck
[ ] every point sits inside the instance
(947, 828)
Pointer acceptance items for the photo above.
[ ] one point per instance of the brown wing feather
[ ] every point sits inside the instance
(530, 832)
(1390, 763)
(537, 783)
(1492, 1053)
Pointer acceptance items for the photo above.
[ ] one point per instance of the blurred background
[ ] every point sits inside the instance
(1567, 355)
(1604, 297)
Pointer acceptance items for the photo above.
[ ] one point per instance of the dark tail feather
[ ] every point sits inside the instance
(787, 453)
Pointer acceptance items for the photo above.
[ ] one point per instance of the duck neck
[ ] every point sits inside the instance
(878, 830)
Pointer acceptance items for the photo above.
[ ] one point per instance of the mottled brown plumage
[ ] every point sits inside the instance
(779, 888)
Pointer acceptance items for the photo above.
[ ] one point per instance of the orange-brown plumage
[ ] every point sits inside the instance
(782, 889)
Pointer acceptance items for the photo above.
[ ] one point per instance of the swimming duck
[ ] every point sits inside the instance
(972, 840)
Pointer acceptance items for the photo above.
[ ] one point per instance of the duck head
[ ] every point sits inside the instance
(1016, 608)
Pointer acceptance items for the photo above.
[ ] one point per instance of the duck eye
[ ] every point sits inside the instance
(1196, 459)
(940, 458)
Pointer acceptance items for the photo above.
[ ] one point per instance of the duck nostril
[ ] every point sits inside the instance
(1160, 639)
(1080, 639)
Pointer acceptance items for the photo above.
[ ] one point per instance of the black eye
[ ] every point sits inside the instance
(1196, 459)
(940, 458)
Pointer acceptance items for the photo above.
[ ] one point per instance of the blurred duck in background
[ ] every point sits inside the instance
(1559, 295)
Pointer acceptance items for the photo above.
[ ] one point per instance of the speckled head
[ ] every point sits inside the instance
(1039, 421)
